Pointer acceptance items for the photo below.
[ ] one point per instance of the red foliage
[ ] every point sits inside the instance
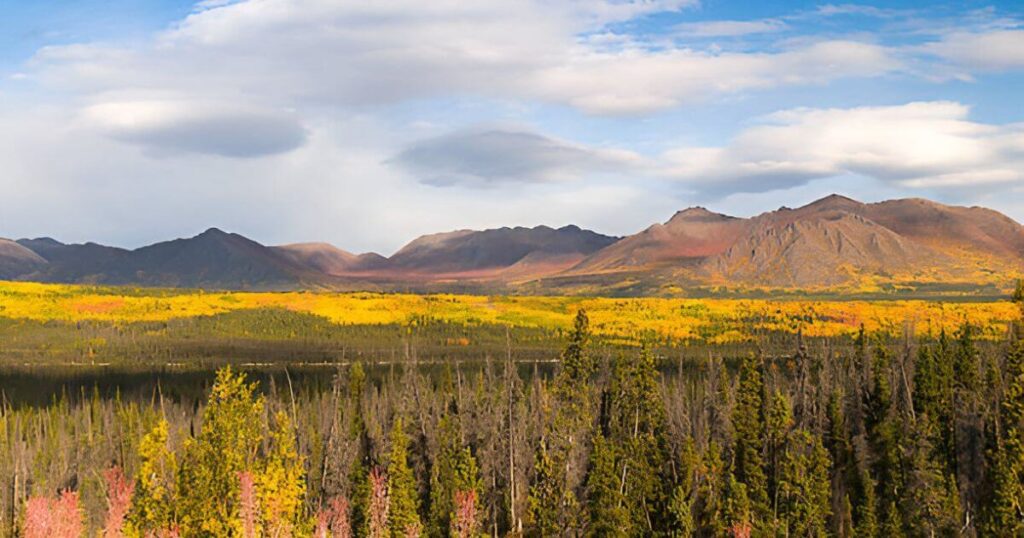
(332, 521)
(740, 530)
(248, 504)
(53, 518)
(380, 504)
(119, 501)
(464, 524)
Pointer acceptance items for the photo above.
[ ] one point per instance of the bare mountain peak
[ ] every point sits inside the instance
(834, 201)
(697, 213)
(213, 232)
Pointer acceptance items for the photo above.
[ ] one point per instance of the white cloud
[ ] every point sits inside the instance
(919, 145)
(637, 80)
(306, 52)
(998, 50)
(835, 10)
(728, 28)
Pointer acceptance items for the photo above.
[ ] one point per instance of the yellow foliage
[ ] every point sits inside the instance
(714, 320)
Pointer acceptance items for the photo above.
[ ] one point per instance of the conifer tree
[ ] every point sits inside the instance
(608, 513)
(1006, 508)
(359, 473)
(843, 473)
(892, 526)
(712, 481)
(749, 424)
(573, 419)
(577, 366)
(546, 499)
(736, 510)
(402, 490)
(931, 502)
(636, 424)
(681, 504)
(778, 422)
(866, 512)
(680, 508)
(454, 470)
(883, 430)
(805, 500)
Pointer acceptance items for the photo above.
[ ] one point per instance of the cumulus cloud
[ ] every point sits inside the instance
(487, 157)
(637, 80)
(351, 53)
(920, 145)
(197, 127)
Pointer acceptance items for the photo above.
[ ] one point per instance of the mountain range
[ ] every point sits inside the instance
(833, 242)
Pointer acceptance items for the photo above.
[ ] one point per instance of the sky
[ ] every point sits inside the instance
(366, 124)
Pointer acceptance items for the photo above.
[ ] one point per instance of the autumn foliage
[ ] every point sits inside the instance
(59, 517)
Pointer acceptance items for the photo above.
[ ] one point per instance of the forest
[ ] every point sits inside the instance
(870, 434)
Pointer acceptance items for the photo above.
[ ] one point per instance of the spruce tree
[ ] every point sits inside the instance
(866, 511)
(711, 488)
(606, 502)
(804, 493)
(545, 501)
(883, 430)
(454, 471)
(736, 510)
(931, 502)
(402, 491)
(1006, 508)
(681, 504)
(636, 424)
(749, 426)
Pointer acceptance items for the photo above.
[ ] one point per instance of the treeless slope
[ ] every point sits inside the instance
(17, 260)
(477, 253)
(821, 249)
(830, 241)
(974, 229)
(538, 265)
(322, 257)
(692, 233)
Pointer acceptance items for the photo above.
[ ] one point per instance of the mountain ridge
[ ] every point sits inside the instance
(831, 242)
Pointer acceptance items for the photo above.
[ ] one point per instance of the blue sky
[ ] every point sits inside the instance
(365, 125)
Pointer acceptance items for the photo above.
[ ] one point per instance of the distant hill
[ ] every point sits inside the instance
(692, 233)
(16, 260)
(496, 253)
(833, 242)
(322, 257)
(830, 242)
(212, 259)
